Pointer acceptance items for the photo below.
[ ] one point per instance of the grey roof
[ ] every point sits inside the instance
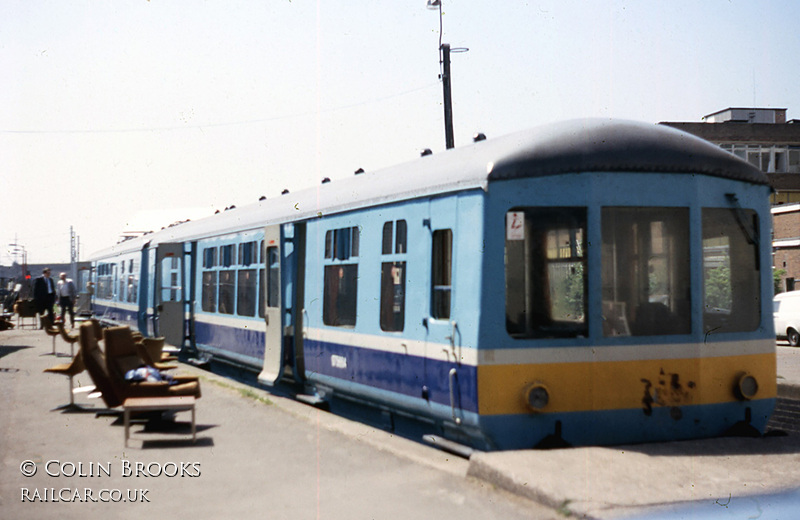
(570, 147)
(623, 146)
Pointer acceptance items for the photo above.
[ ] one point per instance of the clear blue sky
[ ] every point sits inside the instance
(129, 114)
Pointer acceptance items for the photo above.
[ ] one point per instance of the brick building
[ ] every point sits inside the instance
(761, 136)
(767, 140)
(786, 244)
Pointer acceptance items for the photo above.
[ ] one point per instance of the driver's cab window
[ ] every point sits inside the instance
(546, 272)
(645, 277)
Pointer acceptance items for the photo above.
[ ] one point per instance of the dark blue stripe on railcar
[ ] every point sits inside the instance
(400, 373)
(243, 341)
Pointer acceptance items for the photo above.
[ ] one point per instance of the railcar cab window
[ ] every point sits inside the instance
(546, 272)
(645, 271)
(393, 276)
(731, 288)
(341, 277)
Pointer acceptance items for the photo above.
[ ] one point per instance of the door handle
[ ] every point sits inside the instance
(452, 377)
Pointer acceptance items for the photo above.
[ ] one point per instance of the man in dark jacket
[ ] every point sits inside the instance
(44, 294)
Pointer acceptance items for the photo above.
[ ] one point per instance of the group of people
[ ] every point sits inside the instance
(46, 292)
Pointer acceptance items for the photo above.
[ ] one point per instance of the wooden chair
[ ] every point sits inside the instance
(70, 370)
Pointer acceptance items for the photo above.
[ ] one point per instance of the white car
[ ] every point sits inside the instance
(786, 312)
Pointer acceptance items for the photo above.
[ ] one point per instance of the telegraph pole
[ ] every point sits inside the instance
(444, 53)
(448, 99)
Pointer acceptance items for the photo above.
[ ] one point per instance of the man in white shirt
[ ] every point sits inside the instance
(66, 297)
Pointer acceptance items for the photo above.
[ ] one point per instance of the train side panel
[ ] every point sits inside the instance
(377, 329)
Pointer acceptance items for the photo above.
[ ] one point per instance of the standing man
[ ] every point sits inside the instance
(44, 294)
(66, 298)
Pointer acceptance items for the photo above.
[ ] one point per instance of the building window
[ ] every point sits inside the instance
(546, 272)
(645, 277)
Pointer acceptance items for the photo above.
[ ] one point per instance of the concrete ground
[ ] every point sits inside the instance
(315, 463)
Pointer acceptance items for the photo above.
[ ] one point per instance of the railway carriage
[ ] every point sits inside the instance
(592, 282)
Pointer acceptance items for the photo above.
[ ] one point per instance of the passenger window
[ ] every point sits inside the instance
(341, 244)
(645, 277)
(209, 293)
(227, 255)
(393, 277)
(341, 285)
(441, 275)
(341, 277)
(226, 291)
(247, 253)
(246, 292)
(731, 279)
(546, 272)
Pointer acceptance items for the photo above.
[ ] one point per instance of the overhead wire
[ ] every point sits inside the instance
(220, 124)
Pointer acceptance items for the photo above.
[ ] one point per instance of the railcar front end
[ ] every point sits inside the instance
(626, 296)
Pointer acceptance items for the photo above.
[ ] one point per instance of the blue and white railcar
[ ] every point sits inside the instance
(584, 283)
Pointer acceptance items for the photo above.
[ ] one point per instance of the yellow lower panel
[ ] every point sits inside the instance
(576, 387)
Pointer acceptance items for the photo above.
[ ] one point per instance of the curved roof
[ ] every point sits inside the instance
(570, 147)
(623, 146)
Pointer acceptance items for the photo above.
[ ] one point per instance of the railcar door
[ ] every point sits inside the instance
(273, 319)
(169, 284)
(443, 345)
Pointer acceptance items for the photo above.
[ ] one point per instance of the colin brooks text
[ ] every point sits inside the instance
(56, 468)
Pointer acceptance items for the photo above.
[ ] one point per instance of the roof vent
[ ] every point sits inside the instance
(480, 136)
(426, 151)
(326, 180)
(359, 171)
(285, 191)
(263, 197)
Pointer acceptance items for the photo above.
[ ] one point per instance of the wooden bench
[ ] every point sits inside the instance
(150, 404)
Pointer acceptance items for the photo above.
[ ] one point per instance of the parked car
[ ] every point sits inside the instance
(786, 312)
